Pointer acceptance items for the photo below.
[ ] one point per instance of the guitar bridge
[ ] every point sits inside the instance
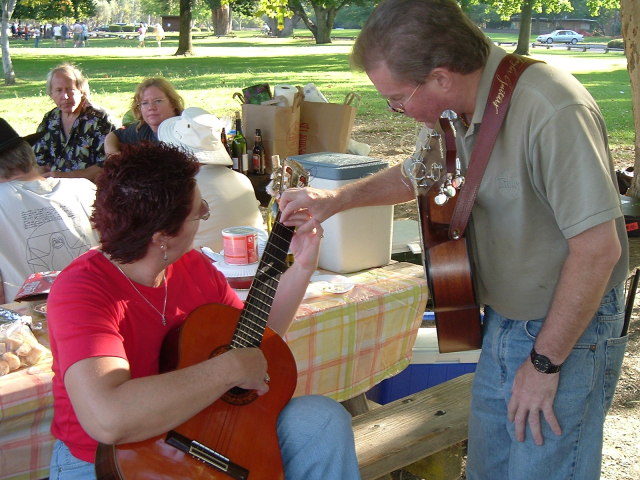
(206, 455)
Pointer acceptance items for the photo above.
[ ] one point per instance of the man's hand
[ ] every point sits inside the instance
(532, 394)
(308, 202)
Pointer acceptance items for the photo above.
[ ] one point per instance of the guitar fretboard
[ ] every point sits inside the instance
(254, 316)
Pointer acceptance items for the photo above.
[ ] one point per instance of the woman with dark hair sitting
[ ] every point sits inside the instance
(154, 100)
(110, 310)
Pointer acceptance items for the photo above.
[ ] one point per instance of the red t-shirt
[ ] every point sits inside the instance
(93, 311)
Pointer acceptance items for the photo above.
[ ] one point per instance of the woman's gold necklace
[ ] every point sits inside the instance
(164, 307)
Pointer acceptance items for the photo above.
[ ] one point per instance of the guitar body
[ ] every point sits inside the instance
(240, 426)
(450, 277)
(448, 264)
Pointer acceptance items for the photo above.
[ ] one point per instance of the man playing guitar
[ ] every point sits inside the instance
(546, 230)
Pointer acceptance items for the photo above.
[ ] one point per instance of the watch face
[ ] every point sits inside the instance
(542, 364)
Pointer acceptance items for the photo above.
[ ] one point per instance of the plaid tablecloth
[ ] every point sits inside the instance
(26, 411)
(343, 344)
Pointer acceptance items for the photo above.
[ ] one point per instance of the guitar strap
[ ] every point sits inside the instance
(502, 87)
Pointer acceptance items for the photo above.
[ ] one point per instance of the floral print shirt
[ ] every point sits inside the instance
(83, 148)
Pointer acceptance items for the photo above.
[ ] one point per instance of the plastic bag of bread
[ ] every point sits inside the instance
(19, 347)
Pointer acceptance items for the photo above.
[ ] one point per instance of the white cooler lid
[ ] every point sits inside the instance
(425, 350)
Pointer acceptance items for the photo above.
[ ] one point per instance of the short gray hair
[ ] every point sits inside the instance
(74, 73)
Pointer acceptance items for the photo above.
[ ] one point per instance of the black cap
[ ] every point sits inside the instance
(8, 136)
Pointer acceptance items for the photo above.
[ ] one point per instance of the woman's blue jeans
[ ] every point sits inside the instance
(316, 442)
(587, 382)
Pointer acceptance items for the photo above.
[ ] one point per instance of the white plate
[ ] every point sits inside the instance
(338, 287)
(322, 284)
(232, 271)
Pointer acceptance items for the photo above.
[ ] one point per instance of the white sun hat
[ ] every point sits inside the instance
(197, 131)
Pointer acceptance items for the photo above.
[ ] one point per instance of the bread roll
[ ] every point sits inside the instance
(4, 367)
(12, 359)
(35, 354)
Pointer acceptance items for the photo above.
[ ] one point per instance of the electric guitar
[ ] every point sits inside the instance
(447, 261)
(235, 437)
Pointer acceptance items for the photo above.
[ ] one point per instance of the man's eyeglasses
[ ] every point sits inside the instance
(147, 103)
(401, 106)
(204, 213)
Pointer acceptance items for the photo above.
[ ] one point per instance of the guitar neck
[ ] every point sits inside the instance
(254, 316)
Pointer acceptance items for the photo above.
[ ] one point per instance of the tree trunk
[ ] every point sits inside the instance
(221, 19)
(525, 28)
(185, 47)
(289, 25)
(630, 13)
(325, 18)
(324, 23)
(7, 67)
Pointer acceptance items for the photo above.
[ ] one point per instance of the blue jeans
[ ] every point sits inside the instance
(587, 381)
(315, 436)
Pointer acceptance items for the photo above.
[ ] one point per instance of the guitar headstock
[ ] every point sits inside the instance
(426, 163)
(290, 174)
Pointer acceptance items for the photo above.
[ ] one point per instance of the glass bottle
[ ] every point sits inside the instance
(258, 155)
(239, 145)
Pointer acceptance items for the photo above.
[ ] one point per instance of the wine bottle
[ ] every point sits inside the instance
(258, 155)
(239, 145)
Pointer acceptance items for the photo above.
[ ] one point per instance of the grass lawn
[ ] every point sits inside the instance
(225, 65)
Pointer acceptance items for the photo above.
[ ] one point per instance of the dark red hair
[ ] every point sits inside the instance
(144, 189)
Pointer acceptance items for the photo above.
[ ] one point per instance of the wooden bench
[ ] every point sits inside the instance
(406, 431)
(582, 48)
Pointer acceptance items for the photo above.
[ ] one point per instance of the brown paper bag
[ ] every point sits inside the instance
(280, 127)
(326, 127)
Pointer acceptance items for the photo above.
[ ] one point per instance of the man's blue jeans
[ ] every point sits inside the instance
(587, 382)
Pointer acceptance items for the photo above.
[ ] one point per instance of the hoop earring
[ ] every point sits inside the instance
(163, 247)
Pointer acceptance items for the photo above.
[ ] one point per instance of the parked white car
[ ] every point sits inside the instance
(560, 36)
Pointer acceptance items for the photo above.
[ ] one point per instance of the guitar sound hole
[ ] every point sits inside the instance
(239, 396)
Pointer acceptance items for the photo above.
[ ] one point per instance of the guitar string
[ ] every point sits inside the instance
(250, 331)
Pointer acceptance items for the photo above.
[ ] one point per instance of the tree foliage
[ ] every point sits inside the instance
(353, 16)
(43, 10)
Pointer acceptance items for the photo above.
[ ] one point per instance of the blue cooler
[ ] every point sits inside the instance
(428, 368)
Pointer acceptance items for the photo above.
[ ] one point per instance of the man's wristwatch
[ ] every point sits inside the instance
(542, 363)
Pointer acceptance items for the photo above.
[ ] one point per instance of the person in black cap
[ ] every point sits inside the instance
(45, 221)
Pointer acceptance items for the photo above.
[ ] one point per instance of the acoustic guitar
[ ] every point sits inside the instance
(235, 437)
(447, 261)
